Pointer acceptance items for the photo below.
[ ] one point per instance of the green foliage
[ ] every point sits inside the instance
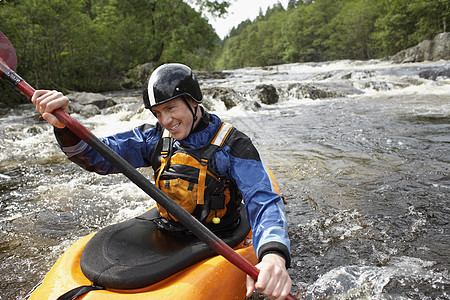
(216, 8)
(431, 17)
(89, 45)
(395, 27)
(292, 4)
(323, 30)
(253, 44)
(352, 29)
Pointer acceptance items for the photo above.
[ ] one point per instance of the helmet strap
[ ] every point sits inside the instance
(194, 112)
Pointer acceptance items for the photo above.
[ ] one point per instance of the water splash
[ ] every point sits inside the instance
(369, 282)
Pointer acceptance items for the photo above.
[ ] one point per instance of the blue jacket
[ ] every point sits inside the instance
(238, 161)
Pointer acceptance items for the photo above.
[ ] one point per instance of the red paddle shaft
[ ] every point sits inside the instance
(140, 180)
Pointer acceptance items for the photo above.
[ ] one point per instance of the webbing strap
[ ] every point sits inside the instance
(222, 134)
(160, 170)
(166, 153)
(216, 143)
(201, 183)
(78, 291)
(167, 140)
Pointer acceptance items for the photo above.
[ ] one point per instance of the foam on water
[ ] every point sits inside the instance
(369, 282)
(373, 78)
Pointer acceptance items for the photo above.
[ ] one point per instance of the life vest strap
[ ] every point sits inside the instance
(167, 143)
(202, 182)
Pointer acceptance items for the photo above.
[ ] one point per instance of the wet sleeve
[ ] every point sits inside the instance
(264, 206)
(134, 146)
(65, 137)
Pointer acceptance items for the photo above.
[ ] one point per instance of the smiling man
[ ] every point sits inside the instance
(207, 166)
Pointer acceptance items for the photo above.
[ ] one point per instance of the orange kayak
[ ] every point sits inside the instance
(136, 259)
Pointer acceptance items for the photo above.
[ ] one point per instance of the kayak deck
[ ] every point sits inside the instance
(213, 277)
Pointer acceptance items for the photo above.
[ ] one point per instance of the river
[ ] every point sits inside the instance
(364, 169)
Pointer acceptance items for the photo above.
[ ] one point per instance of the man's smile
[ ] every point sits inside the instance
(176, 126)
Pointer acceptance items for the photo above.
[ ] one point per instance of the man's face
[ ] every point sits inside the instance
(175, 116)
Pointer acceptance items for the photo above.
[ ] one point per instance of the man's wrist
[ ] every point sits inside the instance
(65, 137)
(275, 248)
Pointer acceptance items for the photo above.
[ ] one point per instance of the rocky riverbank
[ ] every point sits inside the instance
(428, 50)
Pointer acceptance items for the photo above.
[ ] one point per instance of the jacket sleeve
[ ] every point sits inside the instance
(264, 206)
(134, 146)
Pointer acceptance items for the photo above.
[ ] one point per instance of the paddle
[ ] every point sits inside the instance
(7, 55)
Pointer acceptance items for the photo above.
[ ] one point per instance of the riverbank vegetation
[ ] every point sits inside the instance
(89, 45)
(324, 30)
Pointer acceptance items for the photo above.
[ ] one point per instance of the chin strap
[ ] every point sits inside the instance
(194, 112)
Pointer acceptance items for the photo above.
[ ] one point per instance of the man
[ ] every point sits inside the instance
(205, 165)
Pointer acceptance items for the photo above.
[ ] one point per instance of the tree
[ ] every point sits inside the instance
(353, 28)
(306, 30)
(395, 27)
(431, 17)
(292, 4)
(216, 8)
(89, 45)
(238, 30)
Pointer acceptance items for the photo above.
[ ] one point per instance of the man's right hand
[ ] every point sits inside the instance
(48, 101)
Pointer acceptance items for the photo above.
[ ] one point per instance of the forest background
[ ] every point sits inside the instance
(89, 45)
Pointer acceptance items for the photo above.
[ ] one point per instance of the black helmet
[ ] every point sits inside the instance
(171, 81)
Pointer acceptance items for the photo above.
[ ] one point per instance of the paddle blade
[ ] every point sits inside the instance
(7, 52)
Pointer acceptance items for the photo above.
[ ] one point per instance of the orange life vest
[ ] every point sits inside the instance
(186, 176)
